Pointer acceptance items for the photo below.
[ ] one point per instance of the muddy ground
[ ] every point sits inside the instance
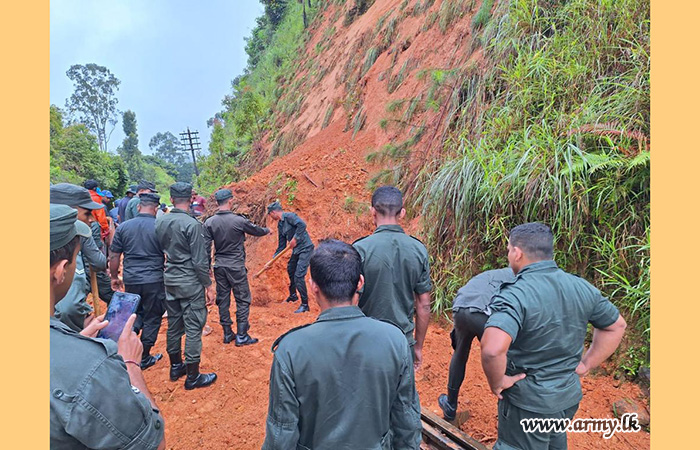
(231, 413)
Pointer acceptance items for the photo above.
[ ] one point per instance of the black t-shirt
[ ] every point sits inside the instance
(143, 256)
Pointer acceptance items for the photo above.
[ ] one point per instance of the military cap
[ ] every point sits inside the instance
(181, 190)
(64, 226)
(223, 194)
(133, 189)
(72, 195)
(146, 185)
(147, 197)
(274, 206)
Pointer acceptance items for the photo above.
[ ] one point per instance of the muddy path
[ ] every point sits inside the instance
(231, 414)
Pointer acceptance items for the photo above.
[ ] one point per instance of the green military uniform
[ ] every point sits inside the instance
(181, 237)
(227, 231)
(344, 381)
(93, 405)
(132, 208)
(92, 402)
(545, 311)
(396, 267)
(73, 309)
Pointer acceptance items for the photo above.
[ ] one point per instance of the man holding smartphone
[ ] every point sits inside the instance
(99, 398)
(188, 288)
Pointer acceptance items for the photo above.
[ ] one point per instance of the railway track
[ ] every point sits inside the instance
(439, 434)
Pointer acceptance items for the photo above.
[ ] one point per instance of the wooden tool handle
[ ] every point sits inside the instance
(95, 291)
(272, 261)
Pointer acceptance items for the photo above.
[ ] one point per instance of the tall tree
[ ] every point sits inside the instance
(129, 150)
(94, 100)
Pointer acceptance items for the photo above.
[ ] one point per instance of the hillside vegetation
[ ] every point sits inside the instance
(488, 114)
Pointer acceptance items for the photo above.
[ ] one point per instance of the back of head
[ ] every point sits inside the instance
(535, 239)
(90, 185)
(181, 193)
(387, 201)
(335, 268)
(149, 200)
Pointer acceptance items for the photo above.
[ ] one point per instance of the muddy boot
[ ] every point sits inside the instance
(449, 410)
(242, 336)
(196, 379)
(228, 334)
(147, 360)
(177, 367)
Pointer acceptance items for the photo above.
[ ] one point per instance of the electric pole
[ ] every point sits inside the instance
(190, 140)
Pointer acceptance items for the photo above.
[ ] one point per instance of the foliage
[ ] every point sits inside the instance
(75, 157)
(166, 146)
(554, 129)
(483, 15)
(94, 100)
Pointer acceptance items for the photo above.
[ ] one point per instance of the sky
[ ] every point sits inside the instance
(175, 59)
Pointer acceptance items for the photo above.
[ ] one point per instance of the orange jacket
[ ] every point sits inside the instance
(99, 214)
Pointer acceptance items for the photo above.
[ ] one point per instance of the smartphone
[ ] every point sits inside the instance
(122, 305)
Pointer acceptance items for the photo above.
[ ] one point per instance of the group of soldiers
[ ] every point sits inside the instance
(347, 380)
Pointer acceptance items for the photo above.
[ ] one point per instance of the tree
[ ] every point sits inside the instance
(94, 99)
(166, 147)
(129, 150)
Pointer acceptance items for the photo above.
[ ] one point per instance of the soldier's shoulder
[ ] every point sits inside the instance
(361, 239)
(292, 331)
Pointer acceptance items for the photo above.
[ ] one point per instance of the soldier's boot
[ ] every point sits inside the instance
(228, 334)
(304, 307)
(147, 360)
(177, 367)
(448, 404)
(196, 379)
(242, 336)
(292, 298)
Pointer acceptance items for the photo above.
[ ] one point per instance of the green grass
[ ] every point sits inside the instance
(482, 16)
(552, 128)
(329, 115)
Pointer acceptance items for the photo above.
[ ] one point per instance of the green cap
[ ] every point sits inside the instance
(72, 195)
(274, 206)
(223, 194)
(64, 226)
(181, 190)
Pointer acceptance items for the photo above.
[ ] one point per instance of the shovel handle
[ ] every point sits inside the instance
(272, 261)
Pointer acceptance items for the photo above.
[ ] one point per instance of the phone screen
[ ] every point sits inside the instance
(122, 306)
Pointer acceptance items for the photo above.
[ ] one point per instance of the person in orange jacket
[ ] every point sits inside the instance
(99, 214)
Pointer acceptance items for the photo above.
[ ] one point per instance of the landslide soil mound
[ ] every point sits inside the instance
(325, 180)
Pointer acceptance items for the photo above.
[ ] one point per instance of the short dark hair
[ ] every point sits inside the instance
(90, 185)
(534, 238)
(65, 252)
(335, 268)
(387, 201)
(221, 202)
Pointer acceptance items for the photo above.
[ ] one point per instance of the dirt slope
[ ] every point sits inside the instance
(324, 179)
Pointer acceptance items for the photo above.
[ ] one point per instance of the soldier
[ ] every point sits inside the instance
(227, 231)
(470, 310)
(74, 310)
(292, 229)
(143, 188)
(344, 381)
(143, 272)
(187, 286)
(532, 346)
(99, 398)
(124, 201)
(397, 271)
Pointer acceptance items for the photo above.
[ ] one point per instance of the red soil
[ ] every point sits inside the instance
(232, 412)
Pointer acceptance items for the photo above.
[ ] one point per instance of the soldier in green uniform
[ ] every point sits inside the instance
(187, 286)
(290, 228)
(227, 231)
(74, 310)
(345, 381)
(533, 342)
(99, 398)
(132, 207)
(396, 268)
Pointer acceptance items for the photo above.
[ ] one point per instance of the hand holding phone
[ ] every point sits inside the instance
(122, 306)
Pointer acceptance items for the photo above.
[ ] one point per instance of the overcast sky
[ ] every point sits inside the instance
(175, 58)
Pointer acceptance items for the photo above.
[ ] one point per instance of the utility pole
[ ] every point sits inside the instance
(190, 140)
